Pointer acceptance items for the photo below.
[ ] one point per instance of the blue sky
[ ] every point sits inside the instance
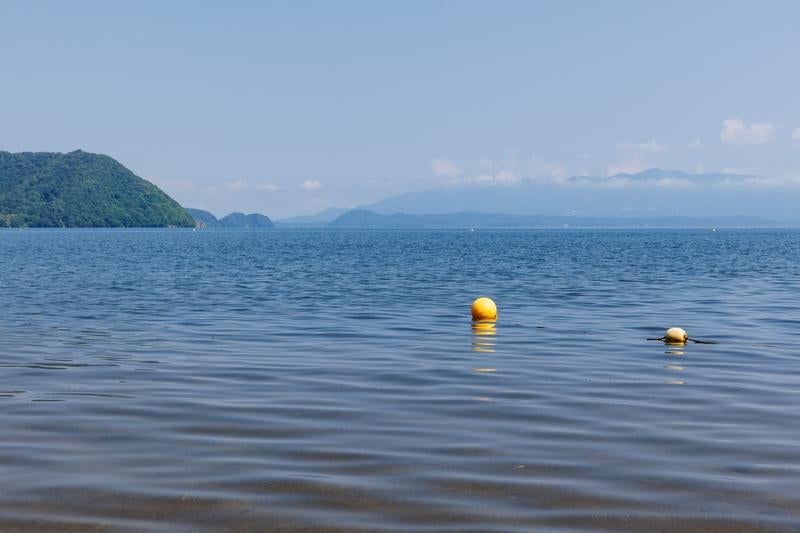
(290, 107)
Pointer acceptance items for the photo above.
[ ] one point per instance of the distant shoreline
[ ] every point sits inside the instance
(317, 228)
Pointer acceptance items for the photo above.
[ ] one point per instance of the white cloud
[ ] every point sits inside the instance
(485, 164)
(506, 177)
(695, 144)
(444, 167)
(732, 170)
(795, 136)
(613, 183)
(554, 171)
(649, 146)
(791, 179)
(619, 180)
(736, 131)
(503, 177)
(237, 185)
(311, 185)
(509, 175)
(244, 185)
(625, 167)
(488, 172)
(673, 183)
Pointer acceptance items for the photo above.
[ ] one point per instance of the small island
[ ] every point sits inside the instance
(204, 219)
(81, 190)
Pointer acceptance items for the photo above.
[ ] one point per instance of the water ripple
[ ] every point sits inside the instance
(331, 380)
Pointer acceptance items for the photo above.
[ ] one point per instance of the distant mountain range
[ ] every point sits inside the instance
(81, 189)
(204, 219)
(367, 219)
(363, 218)
(324, 217)
(659, 176)
(652, 193)
(652, 198)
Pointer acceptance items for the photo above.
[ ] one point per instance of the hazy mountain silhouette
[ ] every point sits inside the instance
(364, 218)
(321, 218)
(652, 193)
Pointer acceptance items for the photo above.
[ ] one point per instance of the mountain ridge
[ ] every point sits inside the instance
(80, 189)
(364, 218)
(653, 192)
(204, 219)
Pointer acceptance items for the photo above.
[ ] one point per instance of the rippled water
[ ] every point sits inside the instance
(176, 380)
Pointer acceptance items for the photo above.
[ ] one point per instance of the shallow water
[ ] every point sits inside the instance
(171, 380)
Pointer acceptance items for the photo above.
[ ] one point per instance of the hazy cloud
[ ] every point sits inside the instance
(673, 183)
(311, 185)
(444, 167)
(244, 185)
(554, 171)
(695, 144)
(733, 170)
(619, 181)
(649, 146)
(237, 185)
(791, 179)
(506, 177)
(625, 167)
(503, 177)
(736, 131)
(613, 182)
(795, 136)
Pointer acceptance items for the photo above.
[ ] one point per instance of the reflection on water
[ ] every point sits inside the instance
(483, 336)
(675, 352)
(149, 382)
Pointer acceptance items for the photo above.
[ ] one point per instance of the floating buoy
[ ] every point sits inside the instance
(676, 336)
(484, 309)
(679, 336)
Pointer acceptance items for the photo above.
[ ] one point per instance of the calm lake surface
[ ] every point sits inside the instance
(171, 380)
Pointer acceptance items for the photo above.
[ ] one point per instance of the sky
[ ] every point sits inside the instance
(287, 108)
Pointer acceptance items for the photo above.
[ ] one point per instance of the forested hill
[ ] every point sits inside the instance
(204, 219)
(80, 189)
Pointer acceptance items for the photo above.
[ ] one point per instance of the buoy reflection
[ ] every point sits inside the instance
(674, 366)
(482, 336)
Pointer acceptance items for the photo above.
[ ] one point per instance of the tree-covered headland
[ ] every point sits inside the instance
(79, 189)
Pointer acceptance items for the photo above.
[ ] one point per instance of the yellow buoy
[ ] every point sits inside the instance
(484, 309)
(676, 336)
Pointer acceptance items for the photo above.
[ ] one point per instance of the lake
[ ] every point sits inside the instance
(174, 380)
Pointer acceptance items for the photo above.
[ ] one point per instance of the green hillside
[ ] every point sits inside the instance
(204, 219)
(80, 189)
